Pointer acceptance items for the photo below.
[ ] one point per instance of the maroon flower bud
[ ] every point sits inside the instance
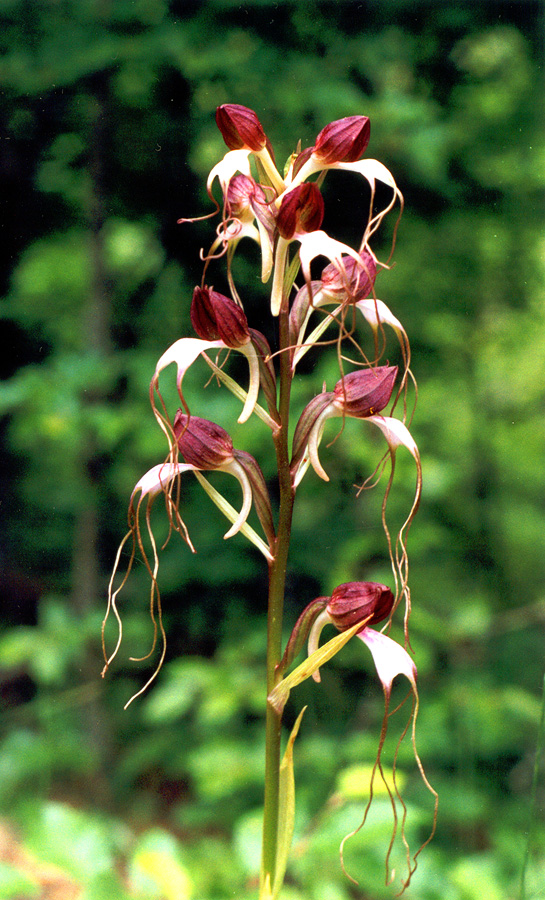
(357, 600)
(343, 140)
(301, 211)
(356, 282)
(240, 127)
(216, 317)
(366, 391)
(203, 444)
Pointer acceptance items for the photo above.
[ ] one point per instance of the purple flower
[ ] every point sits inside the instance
(343, 140)
(301, 211)
(202, 443)
(355, 282)
(216, 317)
(240, 127)
(358, 600)
(365, 392)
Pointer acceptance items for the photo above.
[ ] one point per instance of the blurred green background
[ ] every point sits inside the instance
(107, 135)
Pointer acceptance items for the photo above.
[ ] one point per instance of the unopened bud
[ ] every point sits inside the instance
(203, 444)
(358, 600)
(366, 391)
(301, 211)
(215, 316)
(344, 140)
(354, 281)
(240, 127)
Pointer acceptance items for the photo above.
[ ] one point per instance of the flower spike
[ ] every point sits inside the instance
(283, 215)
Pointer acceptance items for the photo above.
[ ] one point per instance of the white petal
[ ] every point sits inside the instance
(266, 253)
(314, 440)
(277, 289)
(234, 468)
(376, 312)
(309, 168)
(156, 479)
(184, 352)
(396, 433)
(318, 243)
(371, 169)
(301, 470)
(233, 161)
(390, 658)
(249, 352)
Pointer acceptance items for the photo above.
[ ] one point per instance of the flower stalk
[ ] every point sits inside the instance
(277, 582)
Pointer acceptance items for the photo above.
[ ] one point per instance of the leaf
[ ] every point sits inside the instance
(230, 513)
(286, 809)
(300, 633)
(265, 890)
(279, 695)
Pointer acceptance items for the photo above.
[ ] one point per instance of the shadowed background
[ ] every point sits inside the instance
(107, 136)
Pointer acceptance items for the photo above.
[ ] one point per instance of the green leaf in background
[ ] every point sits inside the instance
(157, 871)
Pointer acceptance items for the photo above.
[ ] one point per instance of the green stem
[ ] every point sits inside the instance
(277, 581)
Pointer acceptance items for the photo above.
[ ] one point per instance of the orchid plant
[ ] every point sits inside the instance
(282, 213)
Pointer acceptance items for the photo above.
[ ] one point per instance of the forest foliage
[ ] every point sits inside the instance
(107, 137)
